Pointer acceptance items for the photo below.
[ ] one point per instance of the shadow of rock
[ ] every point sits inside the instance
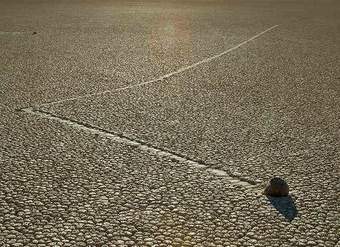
(285, 206)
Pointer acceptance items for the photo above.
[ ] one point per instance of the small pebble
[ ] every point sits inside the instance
(277, 187)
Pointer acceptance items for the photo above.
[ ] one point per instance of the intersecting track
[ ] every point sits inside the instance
(142, 145)
(206, 60)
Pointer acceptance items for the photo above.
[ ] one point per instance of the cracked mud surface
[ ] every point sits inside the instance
(269, 108)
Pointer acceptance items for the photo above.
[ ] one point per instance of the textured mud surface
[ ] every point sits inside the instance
(177, 162)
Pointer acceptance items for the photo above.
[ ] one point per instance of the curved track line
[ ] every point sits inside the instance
(206, 60)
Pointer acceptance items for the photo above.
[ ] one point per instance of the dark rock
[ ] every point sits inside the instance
(277, 187)
(34, 33)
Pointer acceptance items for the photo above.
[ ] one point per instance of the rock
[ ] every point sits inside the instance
(277, 187)
(34, 33)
